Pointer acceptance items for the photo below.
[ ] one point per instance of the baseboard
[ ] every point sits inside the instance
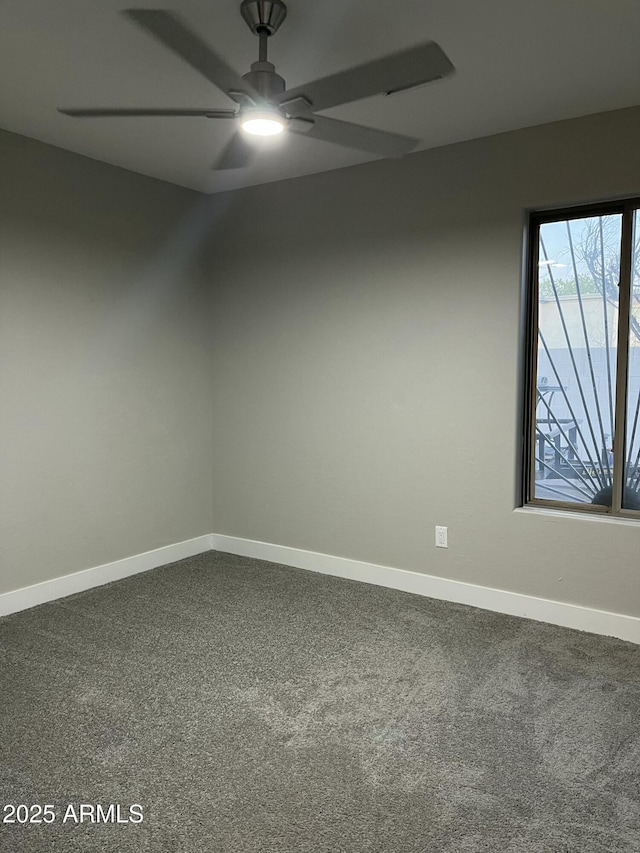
(498, 600)
(39, 593)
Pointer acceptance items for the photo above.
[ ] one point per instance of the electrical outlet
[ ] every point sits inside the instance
(441, 537)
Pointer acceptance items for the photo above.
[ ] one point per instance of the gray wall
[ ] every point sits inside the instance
(356, 362)
(105, 403)
(367, 358)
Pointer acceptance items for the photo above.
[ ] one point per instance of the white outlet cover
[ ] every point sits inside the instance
(441, 537)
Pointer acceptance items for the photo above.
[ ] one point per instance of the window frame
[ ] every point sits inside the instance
(536, 218)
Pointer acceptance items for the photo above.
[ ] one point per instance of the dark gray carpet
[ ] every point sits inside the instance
(253, 707)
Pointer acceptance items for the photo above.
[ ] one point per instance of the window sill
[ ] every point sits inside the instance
(571, 514)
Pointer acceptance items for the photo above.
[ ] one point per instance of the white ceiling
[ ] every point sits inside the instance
(518, 63)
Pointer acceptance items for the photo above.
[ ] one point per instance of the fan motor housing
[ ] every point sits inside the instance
(264, 80)
(263, 16)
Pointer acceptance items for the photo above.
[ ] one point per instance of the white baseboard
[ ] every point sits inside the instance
(39, 593)
(498, 600)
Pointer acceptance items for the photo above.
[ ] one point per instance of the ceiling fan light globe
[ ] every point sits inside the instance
(262, 123)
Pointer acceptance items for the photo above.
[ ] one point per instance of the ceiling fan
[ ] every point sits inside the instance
(264, 106)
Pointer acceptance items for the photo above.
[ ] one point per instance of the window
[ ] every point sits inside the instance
(582, 406)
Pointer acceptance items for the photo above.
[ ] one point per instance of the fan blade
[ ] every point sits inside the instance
(394, 73)
(238, 153)
(172, 33)
(354, 135)
(109, 111)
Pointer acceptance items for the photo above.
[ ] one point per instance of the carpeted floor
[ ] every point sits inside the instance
(253, 707)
